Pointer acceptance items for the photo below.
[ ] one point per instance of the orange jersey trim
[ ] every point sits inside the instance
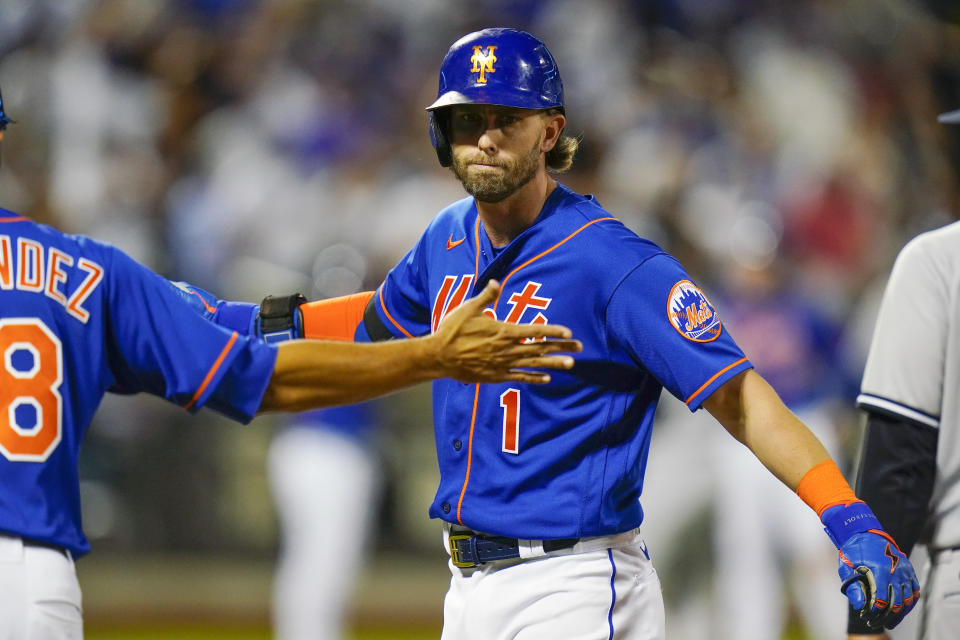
(823, 486)
(712, 378)
(476, 254)
(476, 397)
(387, 313)
(545, 252)
(213, 370)
(466, 477)
(16, 219)
(206, 305)
(335, 318)
(476, 393)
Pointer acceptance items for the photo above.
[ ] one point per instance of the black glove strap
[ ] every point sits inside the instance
(277, 314)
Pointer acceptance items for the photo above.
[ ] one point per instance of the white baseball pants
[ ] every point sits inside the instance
(606, 593)
(324, 487)
(39, 593)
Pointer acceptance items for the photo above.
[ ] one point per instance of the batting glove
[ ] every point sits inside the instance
(878, 579)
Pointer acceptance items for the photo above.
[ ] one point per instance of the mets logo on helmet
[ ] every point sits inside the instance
(483, 62)
(691, 313)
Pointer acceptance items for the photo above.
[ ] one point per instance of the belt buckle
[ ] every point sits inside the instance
(455, 552)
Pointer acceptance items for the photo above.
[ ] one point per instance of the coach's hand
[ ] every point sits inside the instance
(878, 578)
(476, 348)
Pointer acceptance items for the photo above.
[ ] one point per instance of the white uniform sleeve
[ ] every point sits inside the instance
(905, 367)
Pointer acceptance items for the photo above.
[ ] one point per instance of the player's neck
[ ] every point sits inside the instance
(505, 220)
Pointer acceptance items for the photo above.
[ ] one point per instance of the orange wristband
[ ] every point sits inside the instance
(823, 486)
(334, 318)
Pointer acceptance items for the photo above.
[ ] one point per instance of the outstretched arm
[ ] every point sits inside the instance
(878, 579)
(753, 413)
(468, 346)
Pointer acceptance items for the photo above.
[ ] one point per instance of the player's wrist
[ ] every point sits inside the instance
(823, 488)
(429, 356)
(237, 316)
(843, 521)
(280, 318)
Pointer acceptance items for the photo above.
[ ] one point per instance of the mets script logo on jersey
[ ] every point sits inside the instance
(454, 291)
(483, 62)
(691, 314)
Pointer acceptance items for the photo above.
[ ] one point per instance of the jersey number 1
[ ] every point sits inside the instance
(510, 401)
(31, 407)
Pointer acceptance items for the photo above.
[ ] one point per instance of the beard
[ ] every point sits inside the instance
(494, 187)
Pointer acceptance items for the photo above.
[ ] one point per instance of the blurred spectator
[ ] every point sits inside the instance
(768, 550)
(265, 144)
(324, 475)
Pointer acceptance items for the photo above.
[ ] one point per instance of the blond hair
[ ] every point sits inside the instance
(560, 158)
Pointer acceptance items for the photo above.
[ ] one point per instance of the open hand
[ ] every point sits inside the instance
(476, 348)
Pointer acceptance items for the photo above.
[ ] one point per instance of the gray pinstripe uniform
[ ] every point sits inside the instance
(913, 373)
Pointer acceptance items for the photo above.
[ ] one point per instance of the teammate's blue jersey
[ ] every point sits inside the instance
(794, 346)
(354, 421)
(564, 459)
(79, 318)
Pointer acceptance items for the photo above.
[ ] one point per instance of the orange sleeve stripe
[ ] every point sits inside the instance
(15, 219)
(712, 378)
(335, 318)
(823, 486)
(206, 306)
(213, 371)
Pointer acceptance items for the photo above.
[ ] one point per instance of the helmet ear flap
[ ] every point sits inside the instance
(438, 136)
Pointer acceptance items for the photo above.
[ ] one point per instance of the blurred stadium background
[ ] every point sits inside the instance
(267, 146)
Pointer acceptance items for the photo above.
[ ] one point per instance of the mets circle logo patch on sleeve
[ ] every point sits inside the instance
(691, 314)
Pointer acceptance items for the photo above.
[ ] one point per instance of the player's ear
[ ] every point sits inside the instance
(554, 123)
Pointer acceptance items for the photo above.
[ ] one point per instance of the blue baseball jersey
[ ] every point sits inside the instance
(79, 318)
(565, 459)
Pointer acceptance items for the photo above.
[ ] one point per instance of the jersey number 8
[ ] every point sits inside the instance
(31, 407)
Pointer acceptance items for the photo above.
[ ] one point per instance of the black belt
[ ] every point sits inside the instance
(469, 549)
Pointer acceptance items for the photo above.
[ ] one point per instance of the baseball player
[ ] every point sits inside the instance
(540, 486)
(79, 318)
(910, 459)
(324, 474)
